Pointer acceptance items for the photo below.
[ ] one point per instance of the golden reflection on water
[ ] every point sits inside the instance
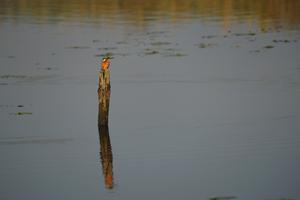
(266, 13)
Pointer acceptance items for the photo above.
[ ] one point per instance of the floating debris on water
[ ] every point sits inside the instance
(269, 47)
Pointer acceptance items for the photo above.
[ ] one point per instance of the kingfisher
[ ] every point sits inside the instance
(105, 63)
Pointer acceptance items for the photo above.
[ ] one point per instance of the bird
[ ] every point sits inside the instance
(105, 63)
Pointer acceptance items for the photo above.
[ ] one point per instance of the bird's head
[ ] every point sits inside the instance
(105, 59)
(105, 63)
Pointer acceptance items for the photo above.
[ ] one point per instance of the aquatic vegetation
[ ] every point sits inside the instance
(15, 79)
(281, 199)
(13, 76)
(164, 52)
(208, 36)
(205, 45)
(77, 47)
(32, 140)
(6, 106)
(252, 39)
(171, 49)
(107, 48)
(281, 41)
(245, 34)
(23, 113)
(150, 52)
(255, 51)
(174, 54)
(160, 43)
(121, 54)
(223, 198)
(121, 42)
(269, 47)
(96, 41)
(108, 54)
(156, 32)
(111, 55)
(47, 68)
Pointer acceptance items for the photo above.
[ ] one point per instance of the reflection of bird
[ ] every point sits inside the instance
(105, 63)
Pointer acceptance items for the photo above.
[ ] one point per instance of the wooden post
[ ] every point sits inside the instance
(105, 146)
(103, 97)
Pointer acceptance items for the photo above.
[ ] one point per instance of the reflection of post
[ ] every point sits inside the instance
(106, 156)
(104, 97)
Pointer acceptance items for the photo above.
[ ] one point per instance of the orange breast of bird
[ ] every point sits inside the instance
(105, 64)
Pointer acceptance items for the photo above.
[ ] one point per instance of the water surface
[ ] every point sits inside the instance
(204, 99)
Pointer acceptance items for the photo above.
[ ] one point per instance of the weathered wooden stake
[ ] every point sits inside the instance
(103, 97)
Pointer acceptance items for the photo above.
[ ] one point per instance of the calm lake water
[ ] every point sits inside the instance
(205, 100)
